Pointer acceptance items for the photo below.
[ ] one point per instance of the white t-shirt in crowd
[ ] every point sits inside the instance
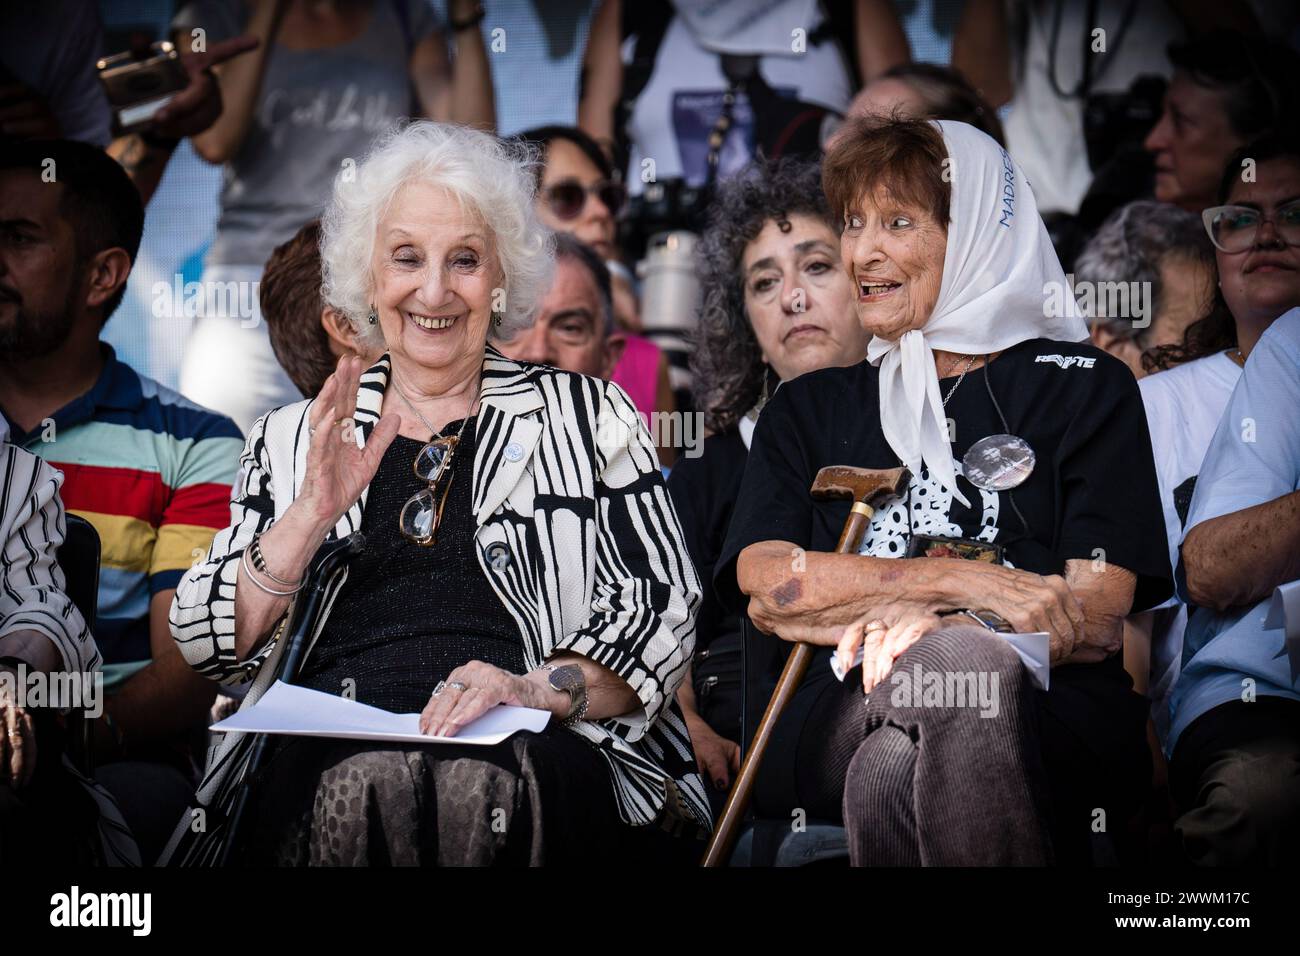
(1045, 131)
(1184, 405)
(1253, 458)
(682, 100)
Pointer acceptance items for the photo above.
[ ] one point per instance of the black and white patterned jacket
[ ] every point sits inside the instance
(576, 534)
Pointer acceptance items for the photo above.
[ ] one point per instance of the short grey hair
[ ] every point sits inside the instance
(492, 177)
(1131, 244)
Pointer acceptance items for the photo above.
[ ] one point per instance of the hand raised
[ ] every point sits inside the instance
(337, 469)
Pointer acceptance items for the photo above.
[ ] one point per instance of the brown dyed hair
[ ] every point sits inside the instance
(905, 156)
(292, 305)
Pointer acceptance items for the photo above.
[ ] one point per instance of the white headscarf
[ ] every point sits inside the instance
(998, 267)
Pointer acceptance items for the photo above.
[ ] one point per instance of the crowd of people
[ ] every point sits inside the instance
(1061, 334)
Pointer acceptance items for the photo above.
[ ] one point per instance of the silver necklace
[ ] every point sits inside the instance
(433, 432)
(969, 363)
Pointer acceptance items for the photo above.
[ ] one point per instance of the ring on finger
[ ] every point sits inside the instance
(457, 685)
(438, 688)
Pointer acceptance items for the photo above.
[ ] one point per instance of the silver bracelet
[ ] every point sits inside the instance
(252, 576)
(259, 562)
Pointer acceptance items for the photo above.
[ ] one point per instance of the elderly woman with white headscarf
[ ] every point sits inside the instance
(520, 548)
(1031, 507)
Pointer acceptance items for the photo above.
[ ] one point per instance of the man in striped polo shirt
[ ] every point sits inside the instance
(151, 470)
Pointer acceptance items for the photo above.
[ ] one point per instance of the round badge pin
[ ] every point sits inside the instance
(998, 462)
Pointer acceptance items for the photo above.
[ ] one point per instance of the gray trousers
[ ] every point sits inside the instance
(957, 759)
(949, 782)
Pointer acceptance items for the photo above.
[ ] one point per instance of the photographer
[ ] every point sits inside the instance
(699, 97)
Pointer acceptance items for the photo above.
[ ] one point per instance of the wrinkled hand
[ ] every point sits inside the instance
(195, 108)
(447, 713)
(883, 636)
(24, 114)
(17, 740)
(1028, 602)
(717, 757)
(337, 470)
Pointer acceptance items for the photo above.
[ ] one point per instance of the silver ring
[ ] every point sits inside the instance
(457, 685)
(438, 688)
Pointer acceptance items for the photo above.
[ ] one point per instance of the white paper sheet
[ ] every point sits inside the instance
(1034, 650)
(299, 711)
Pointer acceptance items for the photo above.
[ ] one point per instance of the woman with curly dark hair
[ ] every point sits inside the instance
(776, 304)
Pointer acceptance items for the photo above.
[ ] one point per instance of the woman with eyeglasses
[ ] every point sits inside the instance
(520, 548)
(1256, 234)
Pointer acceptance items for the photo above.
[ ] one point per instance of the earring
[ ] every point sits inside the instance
(373, 317)
(497, 319)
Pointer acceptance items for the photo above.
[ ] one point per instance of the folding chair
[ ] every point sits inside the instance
(78, 556)
(329, 560)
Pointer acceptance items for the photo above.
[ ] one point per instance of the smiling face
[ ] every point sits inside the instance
(1262, 282)
(798, 300)
(894, 252)
(434, 270)
(1191, 143)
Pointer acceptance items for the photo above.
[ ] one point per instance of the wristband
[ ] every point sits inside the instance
(473, 20)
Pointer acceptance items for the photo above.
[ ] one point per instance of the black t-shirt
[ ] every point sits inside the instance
(409, 615)
(704, 491)
(1092, 494)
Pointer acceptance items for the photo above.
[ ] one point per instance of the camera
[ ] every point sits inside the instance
(138, 87)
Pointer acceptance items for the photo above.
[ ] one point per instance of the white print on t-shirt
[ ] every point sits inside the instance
(931, 506)
(324, 109)
(1065, 361)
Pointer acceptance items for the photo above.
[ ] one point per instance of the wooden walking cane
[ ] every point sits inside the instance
(867, 489)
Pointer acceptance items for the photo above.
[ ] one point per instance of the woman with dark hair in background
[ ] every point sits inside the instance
(776, 304)
(579, 193)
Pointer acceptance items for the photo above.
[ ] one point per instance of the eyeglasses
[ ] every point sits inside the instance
(422, 512)
(1234, 228)
(568, 197)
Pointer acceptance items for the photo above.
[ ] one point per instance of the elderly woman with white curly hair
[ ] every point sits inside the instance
(520, 549)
